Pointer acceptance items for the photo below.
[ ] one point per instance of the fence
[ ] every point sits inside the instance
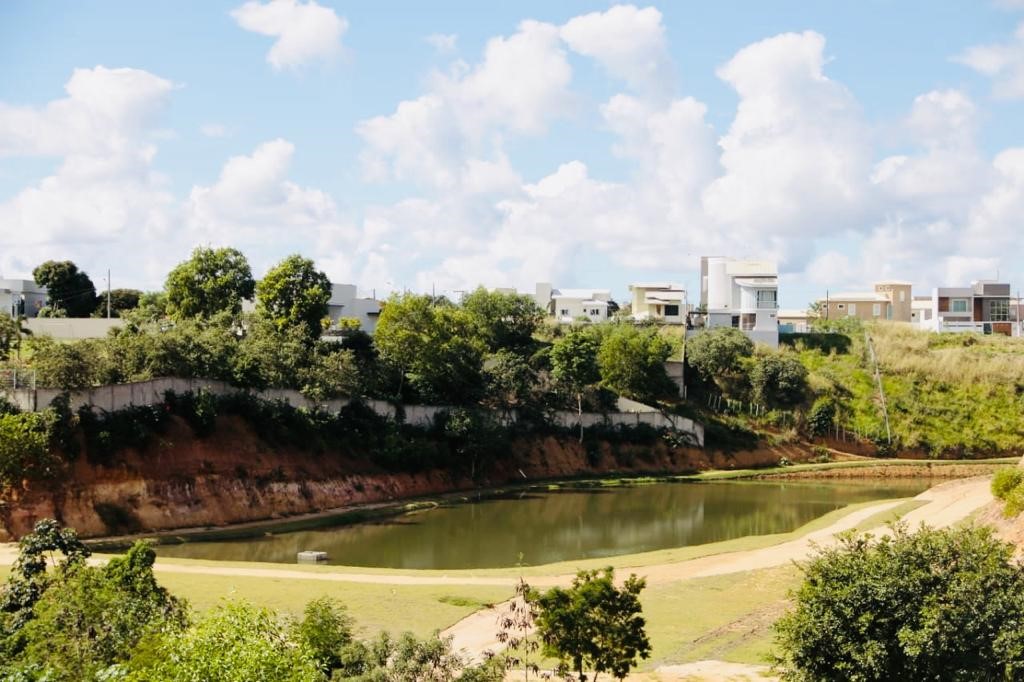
(119, 396)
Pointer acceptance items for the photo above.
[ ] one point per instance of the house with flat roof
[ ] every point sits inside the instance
(658, 302)
(569, 305)
(890, 300)
(345, 302)
(21, 297)
(983, 307)
(740, 293)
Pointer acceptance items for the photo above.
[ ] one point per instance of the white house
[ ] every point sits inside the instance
(346, 302)
(658, 301)
(21, 297)
(569, 305)
(741, 293)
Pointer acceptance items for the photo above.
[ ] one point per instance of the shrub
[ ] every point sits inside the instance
(822, 416)
(778, 380)
(932, 605)
(1006, 480)
(24, 448)
(718, 352)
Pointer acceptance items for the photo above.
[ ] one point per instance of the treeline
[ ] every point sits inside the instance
(62, 619)
(490, 349)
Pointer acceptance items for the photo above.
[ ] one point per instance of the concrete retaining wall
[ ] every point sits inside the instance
(119, 396)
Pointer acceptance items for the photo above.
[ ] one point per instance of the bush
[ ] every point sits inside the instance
(822, 416)
(932, 605)
(778, 380)
(24, 448)
(718, 352)
(1006, 480)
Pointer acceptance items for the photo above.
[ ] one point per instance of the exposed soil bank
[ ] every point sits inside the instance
(233, 477)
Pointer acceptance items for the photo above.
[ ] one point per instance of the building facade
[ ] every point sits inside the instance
(983, 307)
(892, 301)
(21, 297)
(569, 305)
(345, 302)
(658, 302)
(740, 293)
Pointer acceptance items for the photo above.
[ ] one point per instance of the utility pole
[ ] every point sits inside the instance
(108, 293)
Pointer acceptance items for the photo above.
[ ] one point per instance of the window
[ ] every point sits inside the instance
(564, 312)
(595, 311)
(766, 298)
(999, 310)
(671, 310)
(876, 310)
(958, 305)
(852, 310)
(841, 306)
(903, 296)
(736, 321)
(747, 321)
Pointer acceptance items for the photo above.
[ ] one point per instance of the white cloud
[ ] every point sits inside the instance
(105, 190)
(444, 43)
(1002, 62)
(518, 87)
(305, 31)
(797, 154)
(253, 203)
(628, 42)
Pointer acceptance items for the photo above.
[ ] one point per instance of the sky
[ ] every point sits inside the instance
(448, 144)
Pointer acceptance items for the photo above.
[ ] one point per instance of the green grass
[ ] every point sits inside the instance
(418, 608)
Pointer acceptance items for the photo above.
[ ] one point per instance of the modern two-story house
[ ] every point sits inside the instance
(569, 305)
(740, 293)
(658, 302)
(21, 297)
(890, 300)
(983, 307)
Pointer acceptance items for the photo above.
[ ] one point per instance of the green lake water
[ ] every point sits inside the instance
(558, 525)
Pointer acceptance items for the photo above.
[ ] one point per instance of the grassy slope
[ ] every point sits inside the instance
(944, 391)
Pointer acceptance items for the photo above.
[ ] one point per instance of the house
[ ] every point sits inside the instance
(795, 321)
(891, 300)
(21, 297)
(658, 301)
(920, 310)
(983, 307)
(345, 302)
(740, 293)
(569, 305)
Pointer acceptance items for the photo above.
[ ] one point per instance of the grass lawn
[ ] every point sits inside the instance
(726, 617)
(418, 608)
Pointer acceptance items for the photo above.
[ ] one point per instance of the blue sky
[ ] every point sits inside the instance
(446, 144)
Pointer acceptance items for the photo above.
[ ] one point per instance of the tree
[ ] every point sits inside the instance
(632, 362)
(67, 288)
(209, 282)
(510, 380)
(718, 355)
(121, 301)
(433, 346)
(11, 331)
(930, 605)
(234, 642)
(778, 379)
(65, 365)
(24, 448)
(574, 365)
(326, 632)
(503, 320)
(594, 625)
(90, 618)
(516, 631)
(295, 294)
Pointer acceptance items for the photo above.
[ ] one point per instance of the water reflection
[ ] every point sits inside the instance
(561, 525)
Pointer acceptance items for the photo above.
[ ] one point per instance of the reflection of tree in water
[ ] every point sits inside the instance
(555, 526)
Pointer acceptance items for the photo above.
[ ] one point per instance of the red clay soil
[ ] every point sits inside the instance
(234, 477)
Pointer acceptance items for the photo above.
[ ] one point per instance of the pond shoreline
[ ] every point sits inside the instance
(360, 513)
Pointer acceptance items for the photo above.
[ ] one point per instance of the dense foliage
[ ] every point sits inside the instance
(930, 605)
(70, 292)
(594, 625)
(211, 281)
(1008, 486)
(294, 295)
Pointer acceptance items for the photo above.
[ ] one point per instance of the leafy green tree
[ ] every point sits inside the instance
(406, 658)
(65, 365)
(209, 282)
(632, 362)
(930, 605)
(295, 294)
(503, 320)
(90, 618)
(719, 356)
(24, 448)
(594, 625)
(433, 346)
(332, 372)
(574, 365)
(121, 302)
(68, 289)
(28, 578)
(510, 380)
(778, 379)
(10, 335)
(326, 632)
(234, 642)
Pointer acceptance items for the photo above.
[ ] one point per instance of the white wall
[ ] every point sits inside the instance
(72, 327)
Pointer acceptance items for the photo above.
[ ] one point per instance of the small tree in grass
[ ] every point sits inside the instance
(574, 365)
(930, 605)
(594, 625)
(516, 625)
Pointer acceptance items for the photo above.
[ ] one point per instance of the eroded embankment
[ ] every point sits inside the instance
(232, 476)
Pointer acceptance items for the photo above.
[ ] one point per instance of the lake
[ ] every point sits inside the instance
(544, 526)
